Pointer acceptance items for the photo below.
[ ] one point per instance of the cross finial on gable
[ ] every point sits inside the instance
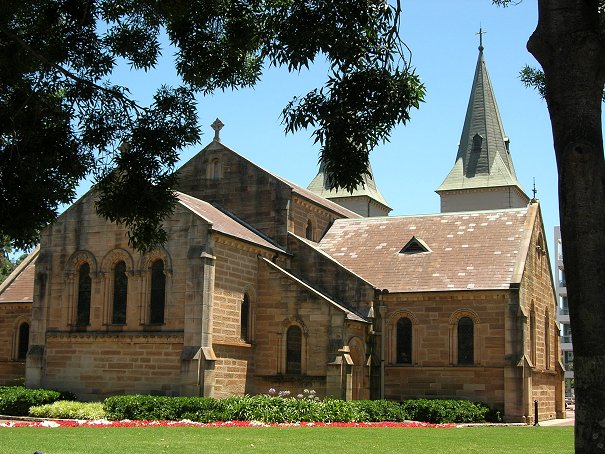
(481, 33)
(217, 126)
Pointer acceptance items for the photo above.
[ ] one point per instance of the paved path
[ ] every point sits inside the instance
(570, 420)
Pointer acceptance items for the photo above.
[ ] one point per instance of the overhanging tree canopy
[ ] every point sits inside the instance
(64, 119)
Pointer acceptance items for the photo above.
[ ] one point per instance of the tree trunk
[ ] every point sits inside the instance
(568, 45)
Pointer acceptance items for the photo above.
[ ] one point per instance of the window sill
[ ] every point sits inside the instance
(152, 326)
(285, 378)
(80, 327)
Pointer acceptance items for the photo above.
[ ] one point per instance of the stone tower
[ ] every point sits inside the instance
(483, 176)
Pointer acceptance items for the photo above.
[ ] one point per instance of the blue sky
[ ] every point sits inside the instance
(442, 37)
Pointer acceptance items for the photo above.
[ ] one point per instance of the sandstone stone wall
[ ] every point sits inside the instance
(96, 366)
(236, 275)
(434, 372)
(330, 278)
(541, 331)
(12, 315)
(302, 212)
(103, 358)
(218, 175)
(283, 302)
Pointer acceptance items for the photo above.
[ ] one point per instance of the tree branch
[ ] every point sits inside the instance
(68, 74)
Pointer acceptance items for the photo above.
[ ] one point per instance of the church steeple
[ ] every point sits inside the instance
(366, 200)
(483, 176)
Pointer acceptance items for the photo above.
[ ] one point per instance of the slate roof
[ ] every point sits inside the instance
(483, 158)
(224, 223)
(320, 186)
(473, 250)
(18, 287)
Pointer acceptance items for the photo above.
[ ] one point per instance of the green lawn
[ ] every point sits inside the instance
(227, 440)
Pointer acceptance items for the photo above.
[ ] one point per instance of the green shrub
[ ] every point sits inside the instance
(68, 409)
(143, 407)
(273, 409)
(16, 400)
(379, 410)
(445, 411)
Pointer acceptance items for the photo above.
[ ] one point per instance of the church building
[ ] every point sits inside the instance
(266, 284)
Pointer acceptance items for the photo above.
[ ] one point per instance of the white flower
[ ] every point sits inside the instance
(51, 424)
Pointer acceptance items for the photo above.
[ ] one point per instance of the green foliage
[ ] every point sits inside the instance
(17, 400)
(265, 408)
(379, 410)
(273, 409)
(64, 119)
(6, 264)
(6, 267)
(445, 411)
(143, 407)
(67, 409)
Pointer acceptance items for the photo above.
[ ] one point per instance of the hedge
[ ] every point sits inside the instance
(445, 411)
(16, 400)
(69, 409)
(272, 409)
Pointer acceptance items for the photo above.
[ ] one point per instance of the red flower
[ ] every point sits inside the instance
(128, 423)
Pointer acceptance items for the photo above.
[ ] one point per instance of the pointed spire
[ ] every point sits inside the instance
(483, 159)
(366, 200)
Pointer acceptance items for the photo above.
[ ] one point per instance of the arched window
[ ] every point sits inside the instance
(84, 292)
(466, 342)
(23, 341)
(120, 292)
(158, 292)
(404, 341)
(532, 335)
(215, 170)
(309, 230)
(293, 350)
(546, 342)
(245, 318)
(540, 253)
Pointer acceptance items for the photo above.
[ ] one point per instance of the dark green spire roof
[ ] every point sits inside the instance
(483, 158)
(320, 186)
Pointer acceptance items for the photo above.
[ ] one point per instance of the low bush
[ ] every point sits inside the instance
(380, 410)
(445, 411)
(16, 400)
(69, 409)
(143, 407)
(274, 409)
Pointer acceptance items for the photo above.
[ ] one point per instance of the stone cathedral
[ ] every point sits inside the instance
(266, 284)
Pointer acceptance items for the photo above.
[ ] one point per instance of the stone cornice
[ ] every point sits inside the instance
(100, 336)
(448, 295)
(15, 304)
(238, 244)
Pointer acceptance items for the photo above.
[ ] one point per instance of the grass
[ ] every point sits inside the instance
(315, 440)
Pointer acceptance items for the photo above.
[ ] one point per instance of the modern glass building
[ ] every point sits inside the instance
(563, 315)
